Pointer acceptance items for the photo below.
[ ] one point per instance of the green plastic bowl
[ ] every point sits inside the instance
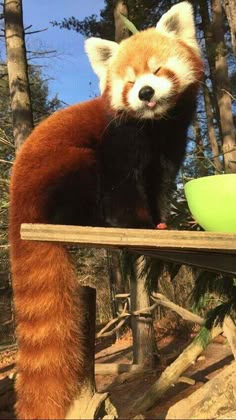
(212, 202)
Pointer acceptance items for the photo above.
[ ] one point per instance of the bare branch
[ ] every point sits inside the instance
(122, 318)
(122, 295)
(231, 96)
(42, 81)
(143, 311)
(36, 32)
(6, 161)
(111, 332)
(28, 27)
(6, 142)
(184, 313)
(110, 323)
(41, 52)
(186, 380)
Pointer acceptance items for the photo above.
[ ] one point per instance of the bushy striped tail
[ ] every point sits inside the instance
(48, 312)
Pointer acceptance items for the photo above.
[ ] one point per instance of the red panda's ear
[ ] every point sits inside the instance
(100, 52)
(179, 22)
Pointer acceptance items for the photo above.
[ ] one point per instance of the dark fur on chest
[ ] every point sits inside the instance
(139, 165)
(131, 180)
(140, 161)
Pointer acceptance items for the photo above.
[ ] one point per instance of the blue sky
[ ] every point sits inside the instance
(70, 68)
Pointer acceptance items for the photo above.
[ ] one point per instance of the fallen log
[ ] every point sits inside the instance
(229, 415)
(97, 406)
(172, 373)
(117, 368)
(229, 329)
(215, 399)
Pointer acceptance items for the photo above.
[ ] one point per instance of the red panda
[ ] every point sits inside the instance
(109, 161)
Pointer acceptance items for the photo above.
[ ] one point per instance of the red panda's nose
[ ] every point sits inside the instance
(146, 93)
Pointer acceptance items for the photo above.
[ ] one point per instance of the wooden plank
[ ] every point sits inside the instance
(131, 238)
(212, 261)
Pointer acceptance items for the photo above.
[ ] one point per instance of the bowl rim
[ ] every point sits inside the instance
(208, 176)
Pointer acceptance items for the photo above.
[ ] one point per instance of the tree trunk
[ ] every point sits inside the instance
(142, 325)
(17, 71)
(121, 31)
(200, 157)
(223, 88)
(211, 131)
(116, 282)
(142, 328)
(209, 41)
(230, 11)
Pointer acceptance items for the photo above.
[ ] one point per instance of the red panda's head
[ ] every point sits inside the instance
(145, 74)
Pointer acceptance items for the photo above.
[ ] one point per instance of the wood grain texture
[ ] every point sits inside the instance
(131, 238)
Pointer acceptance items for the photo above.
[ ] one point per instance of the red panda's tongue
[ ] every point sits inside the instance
(151, 104)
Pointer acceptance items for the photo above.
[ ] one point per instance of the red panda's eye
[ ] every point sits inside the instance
(157, 70)
(131, 82)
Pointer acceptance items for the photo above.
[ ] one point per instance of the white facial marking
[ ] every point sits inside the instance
(117, 86)
(182, 69)
(153, 64)
(130, 75)
(163, 89)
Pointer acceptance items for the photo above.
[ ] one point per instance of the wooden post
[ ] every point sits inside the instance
(87, 390)
(89, 404)
(142, 325)
(116, 283)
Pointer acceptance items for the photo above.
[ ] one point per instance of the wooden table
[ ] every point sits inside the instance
(209, 250)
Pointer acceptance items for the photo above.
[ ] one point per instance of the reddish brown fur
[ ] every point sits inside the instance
(151, 43)
(49, 311)
(44, 281)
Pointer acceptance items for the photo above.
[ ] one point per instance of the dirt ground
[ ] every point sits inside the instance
(125, 388)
